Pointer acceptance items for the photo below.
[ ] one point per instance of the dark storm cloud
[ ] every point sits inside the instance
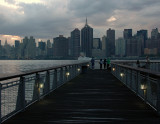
(60, 17)
(37, 20)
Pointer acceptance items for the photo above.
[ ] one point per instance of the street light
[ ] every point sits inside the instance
(67, 74)
(78, 69)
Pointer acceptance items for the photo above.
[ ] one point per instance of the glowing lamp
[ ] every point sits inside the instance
(67, 74)
(143, 85)
(122, 74)
(78, 69)
(41, 85)
(113, 69)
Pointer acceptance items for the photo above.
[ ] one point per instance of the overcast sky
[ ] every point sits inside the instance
(45, 19)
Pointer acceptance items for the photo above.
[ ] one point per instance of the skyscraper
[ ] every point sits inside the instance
(96, 43)
(42, 45)
(75, 42)
(120, 47)
(29, 48)
(144, 35)
(127, 33)
(17, 44)
(110, 42)
(60, 47)
(49, 45)
(0, 43)
(87, 40)
(154, 33)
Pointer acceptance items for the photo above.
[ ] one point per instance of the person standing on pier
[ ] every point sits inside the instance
(108, 63)
(147, 63)
(100, 63)
(92, 62)
(138, 63)
(104, 63)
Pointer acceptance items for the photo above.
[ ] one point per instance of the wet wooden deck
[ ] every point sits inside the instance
(96, 97)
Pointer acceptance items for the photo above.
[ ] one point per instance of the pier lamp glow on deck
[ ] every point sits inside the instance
(78, 69)
(41, 85)
(67, 74)
(88, 65)
(143, 85)
(113, 69)
(122, 73)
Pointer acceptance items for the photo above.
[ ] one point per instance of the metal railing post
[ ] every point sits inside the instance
(137, 81)
(36, 92)
(55, 78)
(47, 83)
(0, 103)
(61, 75)
(158, 97)
(20, 105)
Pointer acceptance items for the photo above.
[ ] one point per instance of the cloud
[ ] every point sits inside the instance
(111, 19)
(49, 18)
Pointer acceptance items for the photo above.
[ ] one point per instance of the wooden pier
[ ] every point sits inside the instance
(95, 97)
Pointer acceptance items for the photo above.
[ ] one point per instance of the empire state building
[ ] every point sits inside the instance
(87, 40)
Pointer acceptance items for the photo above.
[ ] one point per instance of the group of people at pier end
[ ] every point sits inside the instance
(102, 63)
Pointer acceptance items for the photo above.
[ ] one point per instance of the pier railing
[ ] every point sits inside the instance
(154, 65)
(144, 82)
(19, 91)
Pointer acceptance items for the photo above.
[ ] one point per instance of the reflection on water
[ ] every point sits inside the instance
(8, 67)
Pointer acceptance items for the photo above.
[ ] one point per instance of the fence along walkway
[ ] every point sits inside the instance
(95, 97)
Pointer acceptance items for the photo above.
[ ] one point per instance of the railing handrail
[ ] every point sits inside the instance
(37, 71)
(134, 61)
(143, 70)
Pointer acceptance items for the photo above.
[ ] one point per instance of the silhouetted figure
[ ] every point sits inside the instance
(108, 63)
(138, 63)
(104, 63)
(92, 62)
(147, 63)
(100, 63)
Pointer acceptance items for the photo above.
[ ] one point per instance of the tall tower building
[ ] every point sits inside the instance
(75, 43)
(0, 43)
(60, 47)
(87, 40)
(96, 43)
(110, 43)
(127, 33)
(17, 44)
(49, 45)
(144, 35)
(104, 42)
(154, 33)
(29, 48)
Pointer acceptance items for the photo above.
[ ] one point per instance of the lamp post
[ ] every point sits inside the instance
(143, 87)
(67, 75)
(113, 69)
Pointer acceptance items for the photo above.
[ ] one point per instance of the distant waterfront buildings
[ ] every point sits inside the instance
(120, 47)
(75, 43)
(110, 43)
(60, 47)
(127, 33)
(87, 40)
(144, 35)
(96, 43)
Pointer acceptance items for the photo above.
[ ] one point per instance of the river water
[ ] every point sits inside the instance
(9, 67)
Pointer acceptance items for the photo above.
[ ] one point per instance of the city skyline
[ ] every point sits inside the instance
(45, 19)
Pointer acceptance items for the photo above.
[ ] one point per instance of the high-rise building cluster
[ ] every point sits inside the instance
(81, 42)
